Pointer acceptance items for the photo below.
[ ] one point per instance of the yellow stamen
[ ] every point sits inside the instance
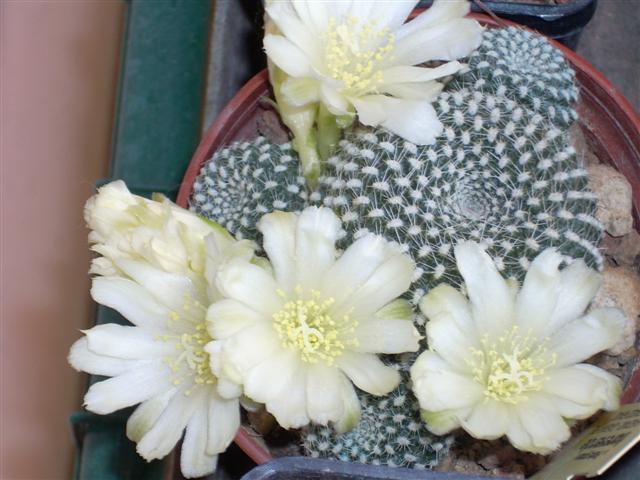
(511, 367)
(353, 54)
(305, 323)
(193, 361)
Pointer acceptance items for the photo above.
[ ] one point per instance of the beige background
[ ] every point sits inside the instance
(58, 78)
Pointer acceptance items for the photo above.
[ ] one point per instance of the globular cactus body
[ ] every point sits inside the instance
(531, 70)
(245, 180)
(502, 173)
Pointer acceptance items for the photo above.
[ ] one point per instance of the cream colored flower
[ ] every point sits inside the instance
(153, 273)
(296, 334)
(506, 361)
(360, 58)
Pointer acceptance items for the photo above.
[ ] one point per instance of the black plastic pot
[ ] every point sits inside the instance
(305, 468)
(563, 23)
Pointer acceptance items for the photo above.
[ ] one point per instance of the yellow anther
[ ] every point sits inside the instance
(353, 52)
(191, 364)
(305, 324)
(511, 367)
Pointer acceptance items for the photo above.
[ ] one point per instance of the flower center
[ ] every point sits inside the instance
(511, 367)
(192, 361)
(305, 323)
(353, 54)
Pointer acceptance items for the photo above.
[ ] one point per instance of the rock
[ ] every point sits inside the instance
(270, 126)
(261, 421)
(583, 152)
(621, 289)
(614, 199)
(623, 250)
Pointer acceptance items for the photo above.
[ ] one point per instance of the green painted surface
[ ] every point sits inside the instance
(158, 124)
(162, 87)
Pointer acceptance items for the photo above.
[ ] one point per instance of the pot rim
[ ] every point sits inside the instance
(235, 113)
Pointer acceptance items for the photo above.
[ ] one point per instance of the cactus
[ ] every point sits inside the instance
(503, 173)
(243, 181)
(390, 432)
(532, 71)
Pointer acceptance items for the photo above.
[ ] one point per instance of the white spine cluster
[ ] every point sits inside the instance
(243, 181)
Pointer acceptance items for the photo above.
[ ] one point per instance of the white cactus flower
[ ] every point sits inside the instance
(506, 361)
(296, 334)
(153, 272)
(360, 58)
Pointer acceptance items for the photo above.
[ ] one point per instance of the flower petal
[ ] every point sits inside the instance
(249, 284)
(413, 120)
(443, 421)
(134, 302)
(386, 283)
(490, 296)
(351, 403)
(324, 399)
(417, 91)
(390, 13)
(130, 388)
(586, 336)
(539, 294)
(387, 336)
(358, 262)
(248, 348)
(450, 40)
(300, 91)
(438, 387)
(287, 56)
(578, 285)
(487, 420)
(223, 420)
(613, 385)
(85, 360)
(290, 410)
(145, 416)
(446, 302)
(545, 427)
(316, 233)
(194, 459)
(335, 102)
(169, 289)
(410, 74)
(268, 379)
(168, 428)
(368, 373)
(316, 14)
(454, 345)
(126, 342)
(279, 240)
(440, 12)
(286, 19)
(586, 385)
(227, 317)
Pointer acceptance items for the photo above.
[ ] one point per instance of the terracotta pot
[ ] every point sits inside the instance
(610, 124)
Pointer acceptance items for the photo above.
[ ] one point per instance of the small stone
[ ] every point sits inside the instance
(623, 250)
(489, 462)
(621, 289)
(614, 199)
(261, 421)
(270, 126)
(585, 155)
